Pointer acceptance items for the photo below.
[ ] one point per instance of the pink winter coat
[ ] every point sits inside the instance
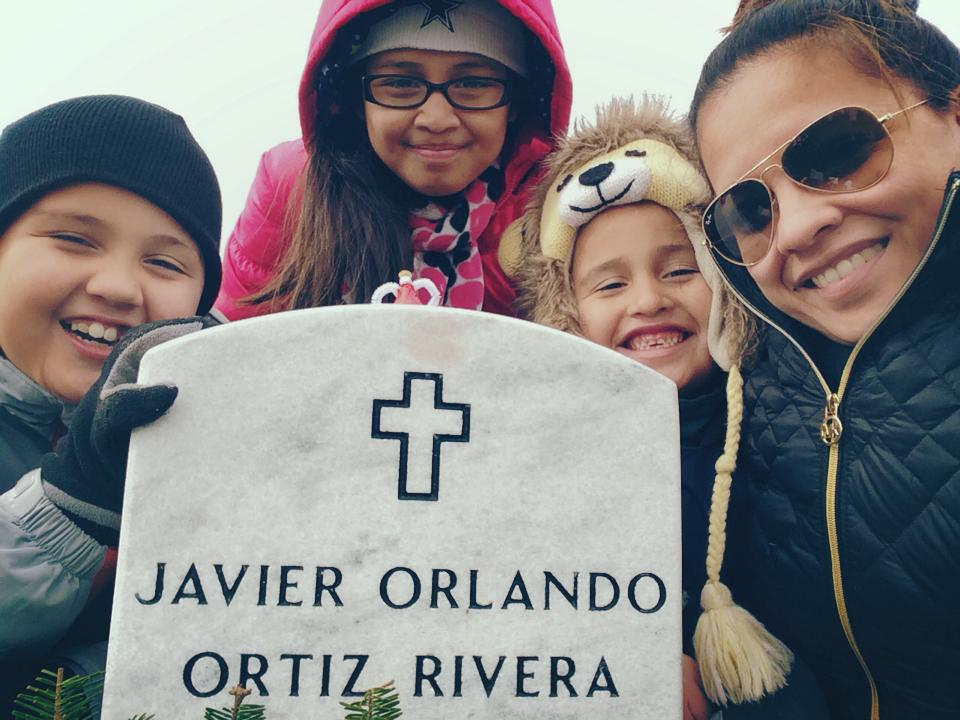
(257, 244)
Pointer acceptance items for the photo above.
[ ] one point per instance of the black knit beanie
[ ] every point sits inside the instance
(119, 141)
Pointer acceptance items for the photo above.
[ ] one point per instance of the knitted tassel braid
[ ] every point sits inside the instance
(740, 660)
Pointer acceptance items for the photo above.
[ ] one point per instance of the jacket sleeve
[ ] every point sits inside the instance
(257, 243)
(47, 564)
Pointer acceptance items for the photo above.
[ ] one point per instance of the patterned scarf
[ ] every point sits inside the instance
(445, 246)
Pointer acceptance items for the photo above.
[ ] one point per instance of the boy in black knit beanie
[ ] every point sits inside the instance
(110, 217)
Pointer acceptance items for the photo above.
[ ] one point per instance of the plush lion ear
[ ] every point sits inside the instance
(510, 252)
(556, 237)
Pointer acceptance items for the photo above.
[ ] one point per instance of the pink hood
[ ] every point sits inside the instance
(536, 15)
(257, 243)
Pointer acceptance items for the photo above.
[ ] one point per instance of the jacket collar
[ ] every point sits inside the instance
(703, 416)
(29, 403)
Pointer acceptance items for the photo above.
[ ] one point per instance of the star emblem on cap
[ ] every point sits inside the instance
(440, 10)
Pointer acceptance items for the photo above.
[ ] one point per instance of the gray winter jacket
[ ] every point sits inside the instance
(47, 564)
(30, 417)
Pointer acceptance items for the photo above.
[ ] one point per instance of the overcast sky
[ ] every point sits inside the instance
(231, 67)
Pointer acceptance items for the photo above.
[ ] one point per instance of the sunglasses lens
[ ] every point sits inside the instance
(845, 151)
(738, 222)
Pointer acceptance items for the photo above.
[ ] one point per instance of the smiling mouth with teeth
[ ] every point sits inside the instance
(93, 332)
(845, 266)
(651, 341)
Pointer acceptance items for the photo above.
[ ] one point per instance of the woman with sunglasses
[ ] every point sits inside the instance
(830, 130)
(423, 125)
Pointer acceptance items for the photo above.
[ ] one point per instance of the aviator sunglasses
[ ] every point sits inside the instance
(844, 151)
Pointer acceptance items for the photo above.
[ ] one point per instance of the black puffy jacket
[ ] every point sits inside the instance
(853, 545)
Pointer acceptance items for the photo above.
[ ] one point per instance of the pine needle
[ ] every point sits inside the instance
(379, 703)
(50, 697)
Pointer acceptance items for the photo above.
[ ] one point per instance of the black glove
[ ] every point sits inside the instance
(85, 476)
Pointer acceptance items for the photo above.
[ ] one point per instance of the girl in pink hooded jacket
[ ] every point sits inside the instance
(423, 127)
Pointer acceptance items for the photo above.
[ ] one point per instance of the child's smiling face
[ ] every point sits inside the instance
(435, 148)
(78, 269)
(639, 291)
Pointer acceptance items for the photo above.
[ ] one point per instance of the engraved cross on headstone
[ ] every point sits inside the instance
(429, 422)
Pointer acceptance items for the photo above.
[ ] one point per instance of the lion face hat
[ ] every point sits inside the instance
(639, 152)
(634, 152)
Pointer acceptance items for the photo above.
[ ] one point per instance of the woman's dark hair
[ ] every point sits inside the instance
(884, 38)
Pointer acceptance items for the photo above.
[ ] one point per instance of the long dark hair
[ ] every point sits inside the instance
(884, 38)
(346, 223)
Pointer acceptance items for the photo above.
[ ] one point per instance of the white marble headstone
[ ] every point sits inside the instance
(480, 509)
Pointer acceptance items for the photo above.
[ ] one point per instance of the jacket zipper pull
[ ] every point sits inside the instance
(831, 428)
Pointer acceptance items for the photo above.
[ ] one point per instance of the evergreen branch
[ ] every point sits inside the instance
(379, 703)
(246, 712)
(50, 697)
(239, 711)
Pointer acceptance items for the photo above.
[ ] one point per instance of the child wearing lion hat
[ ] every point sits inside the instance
(608, 250)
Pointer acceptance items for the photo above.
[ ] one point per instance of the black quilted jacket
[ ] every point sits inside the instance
(853, 549)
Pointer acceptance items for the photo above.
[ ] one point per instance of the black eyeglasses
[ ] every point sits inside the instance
(406, 92)
(844, 151)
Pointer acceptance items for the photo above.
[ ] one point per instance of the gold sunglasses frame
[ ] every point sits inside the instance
(882, 120)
